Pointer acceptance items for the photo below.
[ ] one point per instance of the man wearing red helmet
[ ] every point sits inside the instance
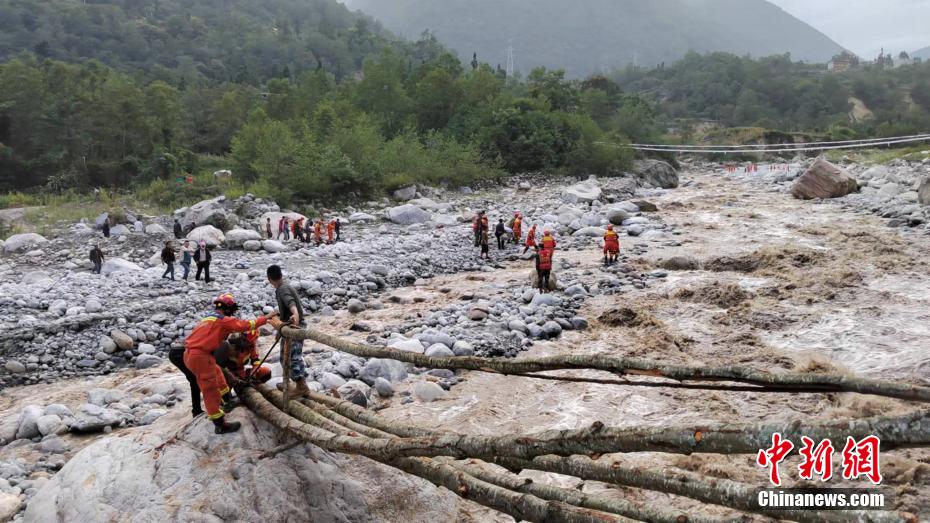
(239, 351)
(199, 347)
(611, 245)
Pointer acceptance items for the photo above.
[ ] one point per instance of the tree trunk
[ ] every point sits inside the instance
(626, 366)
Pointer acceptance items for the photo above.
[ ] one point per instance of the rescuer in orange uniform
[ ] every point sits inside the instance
(199, 346)
(517, 228)
(530, 239)
(611, 246)
(239, 351)
(318, 232)
(543, 267)
(330, 231)
(548, 242)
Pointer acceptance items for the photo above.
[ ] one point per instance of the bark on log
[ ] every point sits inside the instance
(518, 505)
(717, 491)
(625, 366)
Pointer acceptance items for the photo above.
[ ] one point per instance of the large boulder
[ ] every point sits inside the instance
(22, 242)
(114, 265)
(273, 246)
(617, 216)
(923, 192)
(407, 215)
(237, 237)
(823, 180)
(208, 212)
(405, 193)
(209, 234)
(390, 370)
(179, 470)
(155, 229)
(362, 217)
(583, 192)
(656, 173)
(119, 230)
(591, 232)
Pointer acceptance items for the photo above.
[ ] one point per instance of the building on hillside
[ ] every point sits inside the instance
(843, 62)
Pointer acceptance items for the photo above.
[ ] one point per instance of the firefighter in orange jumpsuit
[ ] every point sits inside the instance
(242, 350)
(543, 268)
(199, 346)
(330, 231)
(318, 232)
(548, 242)
(517, 228)
(611, 246)
(530, 238)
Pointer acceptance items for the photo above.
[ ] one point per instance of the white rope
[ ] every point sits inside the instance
(788, 145)
(796, 149)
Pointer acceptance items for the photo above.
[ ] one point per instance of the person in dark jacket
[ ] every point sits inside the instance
(96, 257)
(202, 258)
(178, 232)
(338, 226)
(499, 233)
(106, 227)
(168, 258)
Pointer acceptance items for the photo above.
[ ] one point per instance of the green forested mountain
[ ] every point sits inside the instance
(589, 36)
(776, 93)
(245, 41)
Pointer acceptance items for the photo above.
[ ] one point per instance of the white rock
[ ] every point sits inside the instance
(19, 242)
(427, 391)
(252, 246)
(28, 417)
(581, 193)
(115, 265)
(408, 345)
(236, 237)
(209, 234)
(273, 246)
(592, 232)
(155, 229)
(361, 217)
(51, 424)
(119, 230)
(93, 305)
(407, 215)
(405, 193)
(9, 506)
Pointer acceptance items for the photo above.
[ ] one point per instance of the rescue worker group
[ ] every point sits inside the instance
(223, 341)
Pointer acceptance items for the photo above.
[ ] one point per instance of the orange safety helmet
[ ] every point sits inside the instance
(227, 303)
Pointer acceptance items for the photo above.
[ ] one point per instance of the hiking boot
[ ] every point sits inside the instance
(229, 402)
(196, 412)
(221, 426)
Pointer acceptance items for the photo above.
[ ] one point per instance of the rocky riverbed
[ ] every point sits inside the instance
(728, 268)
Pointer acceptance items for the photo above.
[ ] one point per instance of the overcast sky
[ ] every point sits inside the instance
(865, 26)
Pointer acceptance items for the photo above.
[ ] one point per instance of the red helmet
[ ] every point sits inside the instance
(226, 302)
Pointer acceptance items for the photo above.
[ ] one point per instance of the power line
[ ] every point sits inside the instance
(785, 145)
(665, 148)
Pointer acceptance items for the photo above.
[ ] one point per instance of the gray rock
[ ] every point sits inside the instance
(656, 173)
(119, 230)
(21, 242)
(552, 329)
(383, 388)
(356, 392)
(634, 230)
(431, 337)
(477, 314)
(331, 381)
(122, 340)
(146, 361)
(115, 265)
(27, 426)
(146, 348)
(579, 323)
(405, 193)
(273, 246)
(209, 234)
(617, 216)
(407, 215)
(252, 246)
(361, 217)
(392, 370)
(10, 505)
(155, 229)
(823, 180)
(463, 348)
(94, 418)
(59, 410)
(407, 345)
(581, 193)
(50, 424)
(439, 350)
(427, 391)
(517, 326)
(923, 191)
(680, 263)
(591, 232)
(54, 444)
(151, 416)
(15, 367)
(545, 299)
(576, 290)
(237, 237)
(355, 306)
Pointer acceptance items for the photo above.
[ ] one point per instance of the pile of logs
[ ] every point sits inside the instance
(484, 468)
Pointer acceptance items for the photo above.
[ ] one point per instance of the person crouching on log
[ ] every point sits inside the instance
(241, 350)
(199, 358)
(543, 267)
(611, 246)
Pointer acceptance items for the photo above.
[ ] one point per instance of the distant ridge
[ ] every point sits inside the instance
(586, 36)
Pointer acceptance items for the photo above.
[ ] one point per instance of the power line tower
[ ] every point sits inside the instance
(509, 67)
